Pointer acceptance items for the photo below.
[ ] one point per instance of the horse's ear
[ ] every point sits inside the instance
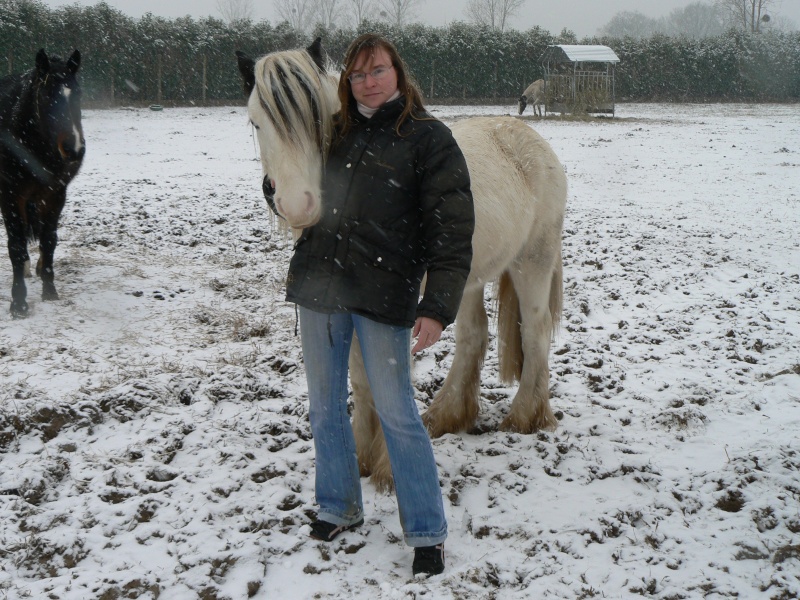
(42, 62)
(74, 62)
(315, 50)
(247, 68)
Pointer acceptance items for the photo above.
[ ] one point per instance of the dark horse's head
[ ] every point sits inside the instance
(57, 105)
(523, 102)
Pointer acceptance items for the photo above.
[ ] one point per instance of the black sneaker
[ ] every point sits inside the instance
(428, 560)
(327, 532)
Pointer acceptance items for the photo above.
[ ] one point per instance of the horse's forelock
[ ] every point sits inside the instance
(57, 77)
(292, 93)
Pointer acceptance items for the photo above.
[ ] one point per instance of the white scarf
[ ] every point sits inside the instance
(368, 112)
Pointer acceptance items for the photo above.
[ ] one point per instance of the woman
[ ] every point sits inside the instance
(397, 207)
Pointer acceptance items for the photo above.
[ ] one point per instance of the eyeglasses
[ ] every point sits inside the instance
(378, 73)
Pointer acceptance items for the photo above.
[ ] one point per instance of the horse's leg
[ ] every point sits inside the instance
(364, 414)
(455, 406)
(373, 457)
(18, 253)
(48, 238)
(533, 278)
(26, 271)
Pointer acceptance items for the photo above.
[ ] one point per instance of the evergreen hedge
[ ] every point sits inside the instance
(188, 61)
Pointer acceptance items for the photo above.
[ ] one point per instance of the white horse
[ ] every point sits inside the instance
(519, 190)
(533, 94)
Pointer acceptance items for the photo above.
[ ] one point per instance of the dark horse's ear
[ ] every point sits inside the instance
(42, 62)
(247, 67)
(315, 50)
(74, 62)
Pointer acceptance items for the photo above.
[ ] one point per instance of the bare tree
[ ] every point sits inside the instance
(329, 13)
(398, 12)
(696, 21)
(782, 23)
(750, 15)
(632, 24)
(492, 13)
(233, 11)
(300, 14)
(356, 12)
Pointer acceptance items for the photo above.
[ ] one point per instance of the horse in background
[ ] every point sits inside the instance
(519, 191)
(41, 150)
(533, 94)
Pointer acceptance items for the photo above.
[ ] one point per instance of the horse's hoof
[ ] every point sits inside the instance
(514, 425)
(430, 425)
(19, 310)
(433, 425)
(439, 422)
(49, 294)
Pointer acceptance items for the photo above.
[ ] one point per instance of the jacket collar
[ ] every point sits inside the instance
(391, 110)
(368, 112)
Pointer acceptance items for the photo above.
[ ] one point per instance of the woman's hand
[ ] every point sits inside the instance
(427, 331)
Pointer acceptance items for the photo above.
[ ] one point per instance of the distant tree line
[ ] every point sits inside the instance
(699, 20)
(187, 61)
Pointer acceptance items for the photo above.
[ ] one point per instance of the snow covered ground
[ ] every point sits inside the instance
(153, 422)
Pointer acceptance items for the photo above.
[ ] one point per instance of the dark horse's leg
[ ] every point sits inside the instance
(48, 238)
(18, 253)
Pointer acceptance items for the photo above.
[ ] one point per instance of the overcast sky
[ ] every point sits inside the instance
(584, 17)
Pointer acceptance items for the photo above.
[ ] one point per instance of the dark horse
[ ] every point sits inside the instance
(41, 149)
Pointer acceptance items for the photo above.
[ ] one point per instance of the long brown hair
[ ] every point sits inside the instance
(370, 42)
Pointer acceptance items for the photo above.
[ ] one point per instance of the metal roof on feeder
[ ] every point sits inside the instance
(571, 53)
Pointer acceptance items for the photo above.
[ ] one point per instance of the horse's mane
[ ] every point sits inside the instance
(298, 98)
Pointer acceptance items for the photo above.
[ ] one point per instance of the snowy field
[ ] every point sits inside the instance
(154, 440)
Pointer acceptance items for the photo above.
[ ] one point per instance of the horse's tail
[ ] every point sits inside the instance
(509, 332)
(556, 295)
(30, 218)
(509, 335)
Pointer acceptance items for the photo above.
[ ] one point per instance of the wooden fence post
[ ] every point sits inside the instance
(205, 74)
(158, 94)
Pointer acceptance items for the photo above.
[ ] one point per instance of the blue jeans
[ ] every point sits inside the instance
(386, 350)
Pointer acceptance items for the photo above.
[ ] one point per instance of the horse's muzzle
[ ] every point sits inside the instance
(300, 219)
(70, 155)
(71, 149)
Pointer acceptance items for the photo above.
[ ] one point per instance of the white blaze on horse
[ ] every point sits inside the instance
(519, 190)
(533, 94)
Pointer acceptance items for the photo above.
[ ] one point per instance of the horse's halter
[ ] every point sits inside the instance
(266, 184)
(42, 95)
(269, 196)
(36, 90)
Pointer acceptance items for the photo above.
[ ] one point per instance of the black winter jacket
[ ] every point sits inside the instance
(394, 208)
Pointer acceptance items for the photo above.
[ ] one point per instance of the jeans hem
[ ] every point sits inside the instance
(416, 540)
(339, 520)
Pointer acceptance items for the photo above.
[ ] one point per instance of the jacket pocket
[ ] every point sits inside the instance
(379, 257)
